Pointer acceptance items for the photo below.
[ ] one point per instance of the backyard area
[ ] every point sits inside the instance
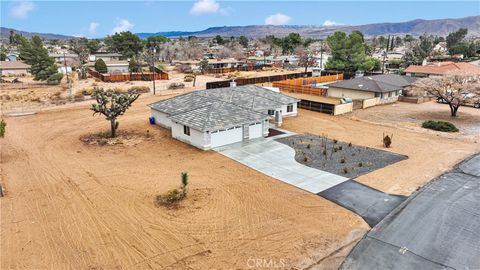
(411, 116)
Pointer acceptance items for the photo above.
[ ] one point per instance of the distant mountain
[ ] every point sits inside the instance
(5, 33)
(441, 27)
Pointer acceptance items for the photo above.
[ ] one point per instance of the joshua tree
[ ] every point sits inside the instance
(112, 104)
(3, 125)
(184, 176)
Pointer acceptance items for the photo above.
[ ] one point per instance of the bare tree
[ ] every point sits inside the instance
(455, 89)
(305, 58)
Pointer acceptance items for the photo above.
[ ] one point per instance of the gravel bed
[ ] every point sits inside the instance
(341, 158)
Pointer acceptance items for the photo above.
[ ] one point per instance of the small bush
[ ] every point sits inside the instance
(345, 170)
(174, 86)
(335, 149)
(100, 66)
(305, 159)
(342, 160)
(79, 96)
(340, 148)
(308, 146)
(440, 126)
(324, 152)
(349, 144)
(139, 89)
(335, 141)
(172, 196)
(360, 164)
(55, 79)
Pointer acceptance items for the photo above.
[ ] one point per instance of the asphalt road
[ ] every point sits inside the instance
(438, 227)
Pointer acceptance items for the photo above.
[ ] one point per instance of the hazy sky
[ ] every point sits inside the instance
(100, 18)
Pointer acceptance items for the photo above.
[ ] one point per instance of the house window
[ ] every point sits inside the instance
(186, 130)
(271, 112)
(290, 108)
(377, 94)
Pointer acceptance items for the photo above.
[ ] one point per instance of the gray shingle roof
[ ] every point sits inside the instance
(225, 107)
(379, 83)
(218, 115)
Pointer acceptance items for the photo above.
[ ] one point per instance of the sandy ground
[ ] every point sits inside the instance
(429, 154)
(71, 205)
(411, 116)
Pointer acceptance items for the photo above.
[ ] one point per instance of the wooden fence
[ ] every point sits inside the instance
(235, 69)
(145, 76)
(264, 79)
(304, 85)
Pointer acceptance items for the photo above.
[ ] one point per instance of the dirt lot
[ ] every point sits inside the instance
(71, 205)
(412, 116)
(428, 154)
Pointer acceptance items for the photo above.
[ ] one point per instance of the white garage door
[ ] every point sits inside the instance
(255, 130)
(225, 137)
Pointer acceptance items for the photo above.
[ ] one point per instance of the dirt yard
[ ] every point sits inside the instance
(428, 154)
(78, 206)
(411, 116)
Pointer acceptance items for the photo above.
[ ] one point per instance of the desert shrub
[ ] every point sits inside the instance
(349, 144)
(174, 195)
(335, 149)
(78, 96)
(324, 152)
(3, 126)
(184, 68)
(119, 90)
(308, 146)
(139, 89)
(305, 159)
(55, 79)
(440, 126)
(35, 99)
(340, 148)
(87, 92)
(345, 170)
(174, 86)
(360, 164)
(335, 141)
(188, 78)
(342, 160)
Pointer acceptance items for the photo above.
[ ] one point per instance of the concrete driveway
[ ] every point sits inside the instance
(278, 161)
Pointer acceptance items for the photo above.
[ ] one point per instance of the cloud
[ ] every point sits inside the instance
(331, 23)
(21, 9)
(92, 27)
(122, 26)
(205, 7)
(277, 19)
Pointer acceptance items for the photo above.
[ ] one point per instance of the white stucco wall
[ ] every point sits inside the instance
(288, 114)
(197, 138)
(161, 119)
(255, 130)
(353, 94)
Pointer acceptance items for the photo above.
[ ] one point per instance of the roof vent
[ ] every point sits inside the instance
(369, 78)
(360, 85)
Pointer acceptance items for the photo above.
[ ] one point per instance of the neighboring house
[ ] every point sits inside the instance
(441, 68)
(68, 59)
(105, 57)
(386, 88)
(215, 117)
(214, 65)
(13, 68)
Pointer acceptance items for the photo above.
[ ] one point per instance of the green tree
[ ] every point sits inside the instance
(348, 52)
(155, 41)
(93, 46)
(33, 53)
(219, 40)
(456, 37)
(134, 66)
(3, 53)
(243, 40)
(100, 66)
(125, 43)
(112, 105)
(203, 66)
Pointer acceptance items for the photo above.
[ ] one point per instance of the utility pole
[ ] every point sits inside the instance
(321, 57)
(153, 63)
(66, 73)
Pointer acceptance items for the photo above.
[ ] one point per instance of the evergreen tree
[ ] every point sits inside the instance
(33, 53)
(100, 66)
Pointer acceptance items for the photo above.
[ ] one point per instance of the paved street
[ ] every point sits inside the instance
(436, 228)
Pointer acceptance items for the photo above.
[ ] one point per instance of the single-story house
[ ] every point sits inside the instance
(214, 65)
(13, 68)
(105, 57)
(114, 67)
(60, 58)
(13, 56)
(441, 68)
(215, 117)
(386, 88)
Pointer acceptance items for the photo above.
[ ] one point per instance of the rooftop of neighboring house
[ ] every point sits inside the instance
(442, 68)
(221, 108)
(106, 54)
(111, 63)
(60, 55)
(378, 84)
(13, 65)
